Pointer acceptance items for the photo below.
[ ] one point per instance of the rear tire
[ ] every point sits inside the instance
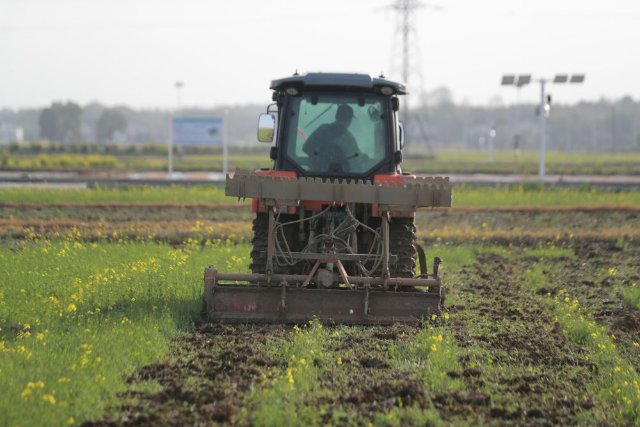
(402, 244)
(260, 241)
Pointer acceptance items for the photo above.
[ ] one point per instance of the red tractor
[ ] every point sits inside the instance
(334, 233)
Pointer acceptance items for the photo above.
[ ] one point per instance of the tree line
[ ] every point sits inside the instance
(604, 125)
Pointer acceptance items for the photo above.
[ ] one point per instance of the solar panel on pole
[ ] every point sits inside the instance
(523, 79)
(508, 79)
(560, 78)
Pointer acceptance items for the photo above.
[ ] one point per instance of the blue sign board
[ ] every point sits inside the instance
(197, 131)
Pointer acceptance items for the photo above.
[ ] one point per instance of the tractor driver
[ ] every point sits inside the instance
(332, 145)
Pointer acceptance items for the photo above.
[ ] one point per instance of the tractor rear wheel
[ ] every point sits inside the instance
(402, 244)
(260, 241)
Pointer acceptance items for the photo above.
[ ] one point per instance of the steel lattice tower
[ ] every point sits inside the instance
(406, 36)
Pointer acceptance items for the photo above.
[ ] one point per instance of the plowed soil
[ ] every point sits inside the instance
(517, 366)
(203, 381)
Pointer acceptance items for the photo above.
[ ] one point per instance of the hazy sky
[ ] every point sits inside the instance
(132, 51)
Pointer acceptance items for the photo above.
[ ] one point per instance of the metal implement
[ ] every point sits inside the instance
(412, 193)
(285, 301)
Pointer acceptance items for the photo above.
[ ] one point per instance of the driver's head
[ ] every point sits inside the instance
(344, 114)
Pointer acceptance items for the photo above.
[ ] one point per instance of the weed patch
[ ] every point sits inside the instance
(283, 396)
(615, 379)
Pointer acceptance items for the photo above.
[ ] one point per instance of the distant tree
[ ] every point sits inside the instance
(110, 122)
(50, 125)
(61, 122)
(441, 96)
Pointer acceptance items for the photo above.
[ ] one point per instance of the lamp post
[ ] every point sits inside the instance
(544, 106)
(492, 137)
(178, 85)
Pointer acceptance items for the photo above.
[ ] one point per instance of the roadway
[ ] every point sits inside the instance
(69, 179)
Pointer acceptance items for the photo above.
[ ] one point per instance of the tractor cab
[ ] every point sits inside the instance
(334, 125)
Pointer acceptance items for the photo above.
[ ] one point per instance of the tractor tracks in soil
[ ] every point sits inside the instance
(209, 377)
(525, 371)
(517, 367)
(204, 381)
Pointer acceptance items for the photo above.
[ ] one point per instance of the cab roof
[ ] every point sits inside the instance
(337, 80)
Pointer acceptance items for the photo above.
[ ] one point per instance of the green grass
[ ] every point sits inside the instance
(187, 162)
(463, 196)
(129, 194)
(282, 397)
(537, 196)
(435, 353)
(77, 318)
(631, 296)
(480, 156)
(505, 161)
(446, 161)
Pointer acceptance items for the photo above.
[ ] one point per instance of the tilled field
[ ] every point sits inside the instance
(176, 222)
(511, 358)
(541, 327)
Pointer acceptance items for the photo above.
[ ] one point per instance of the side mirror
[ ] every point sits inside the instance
(401, 134)
(266, 127)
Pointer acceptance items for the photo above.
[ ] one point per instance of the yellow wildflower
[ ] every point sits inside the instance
(71, 308)
(290, 376)
(49, 398)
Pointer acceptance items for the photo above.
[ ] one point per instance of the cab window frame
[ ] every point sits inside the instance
(286, 162)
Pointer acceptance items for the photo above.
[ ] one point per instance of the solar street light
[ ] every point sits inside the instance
(544, 107)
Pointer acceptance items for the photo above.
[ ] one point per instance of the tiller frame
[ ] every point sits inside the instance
(287, 298)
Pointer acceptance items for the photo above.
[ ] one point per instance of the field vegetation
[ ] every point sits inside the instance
(444, 162)
(503, 197)
(100, 294)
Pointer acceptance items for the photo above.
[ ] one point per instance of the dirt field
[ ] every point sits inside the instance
(541, 327)
(517, 364)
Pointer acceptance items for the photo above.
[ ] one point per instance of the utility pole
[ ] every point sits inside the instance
(225, 141)
(492, 138)
(543, 112)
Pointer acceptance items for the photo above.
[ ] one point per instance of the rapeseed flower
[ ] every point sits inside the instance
(290, 377)
(49, 398)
